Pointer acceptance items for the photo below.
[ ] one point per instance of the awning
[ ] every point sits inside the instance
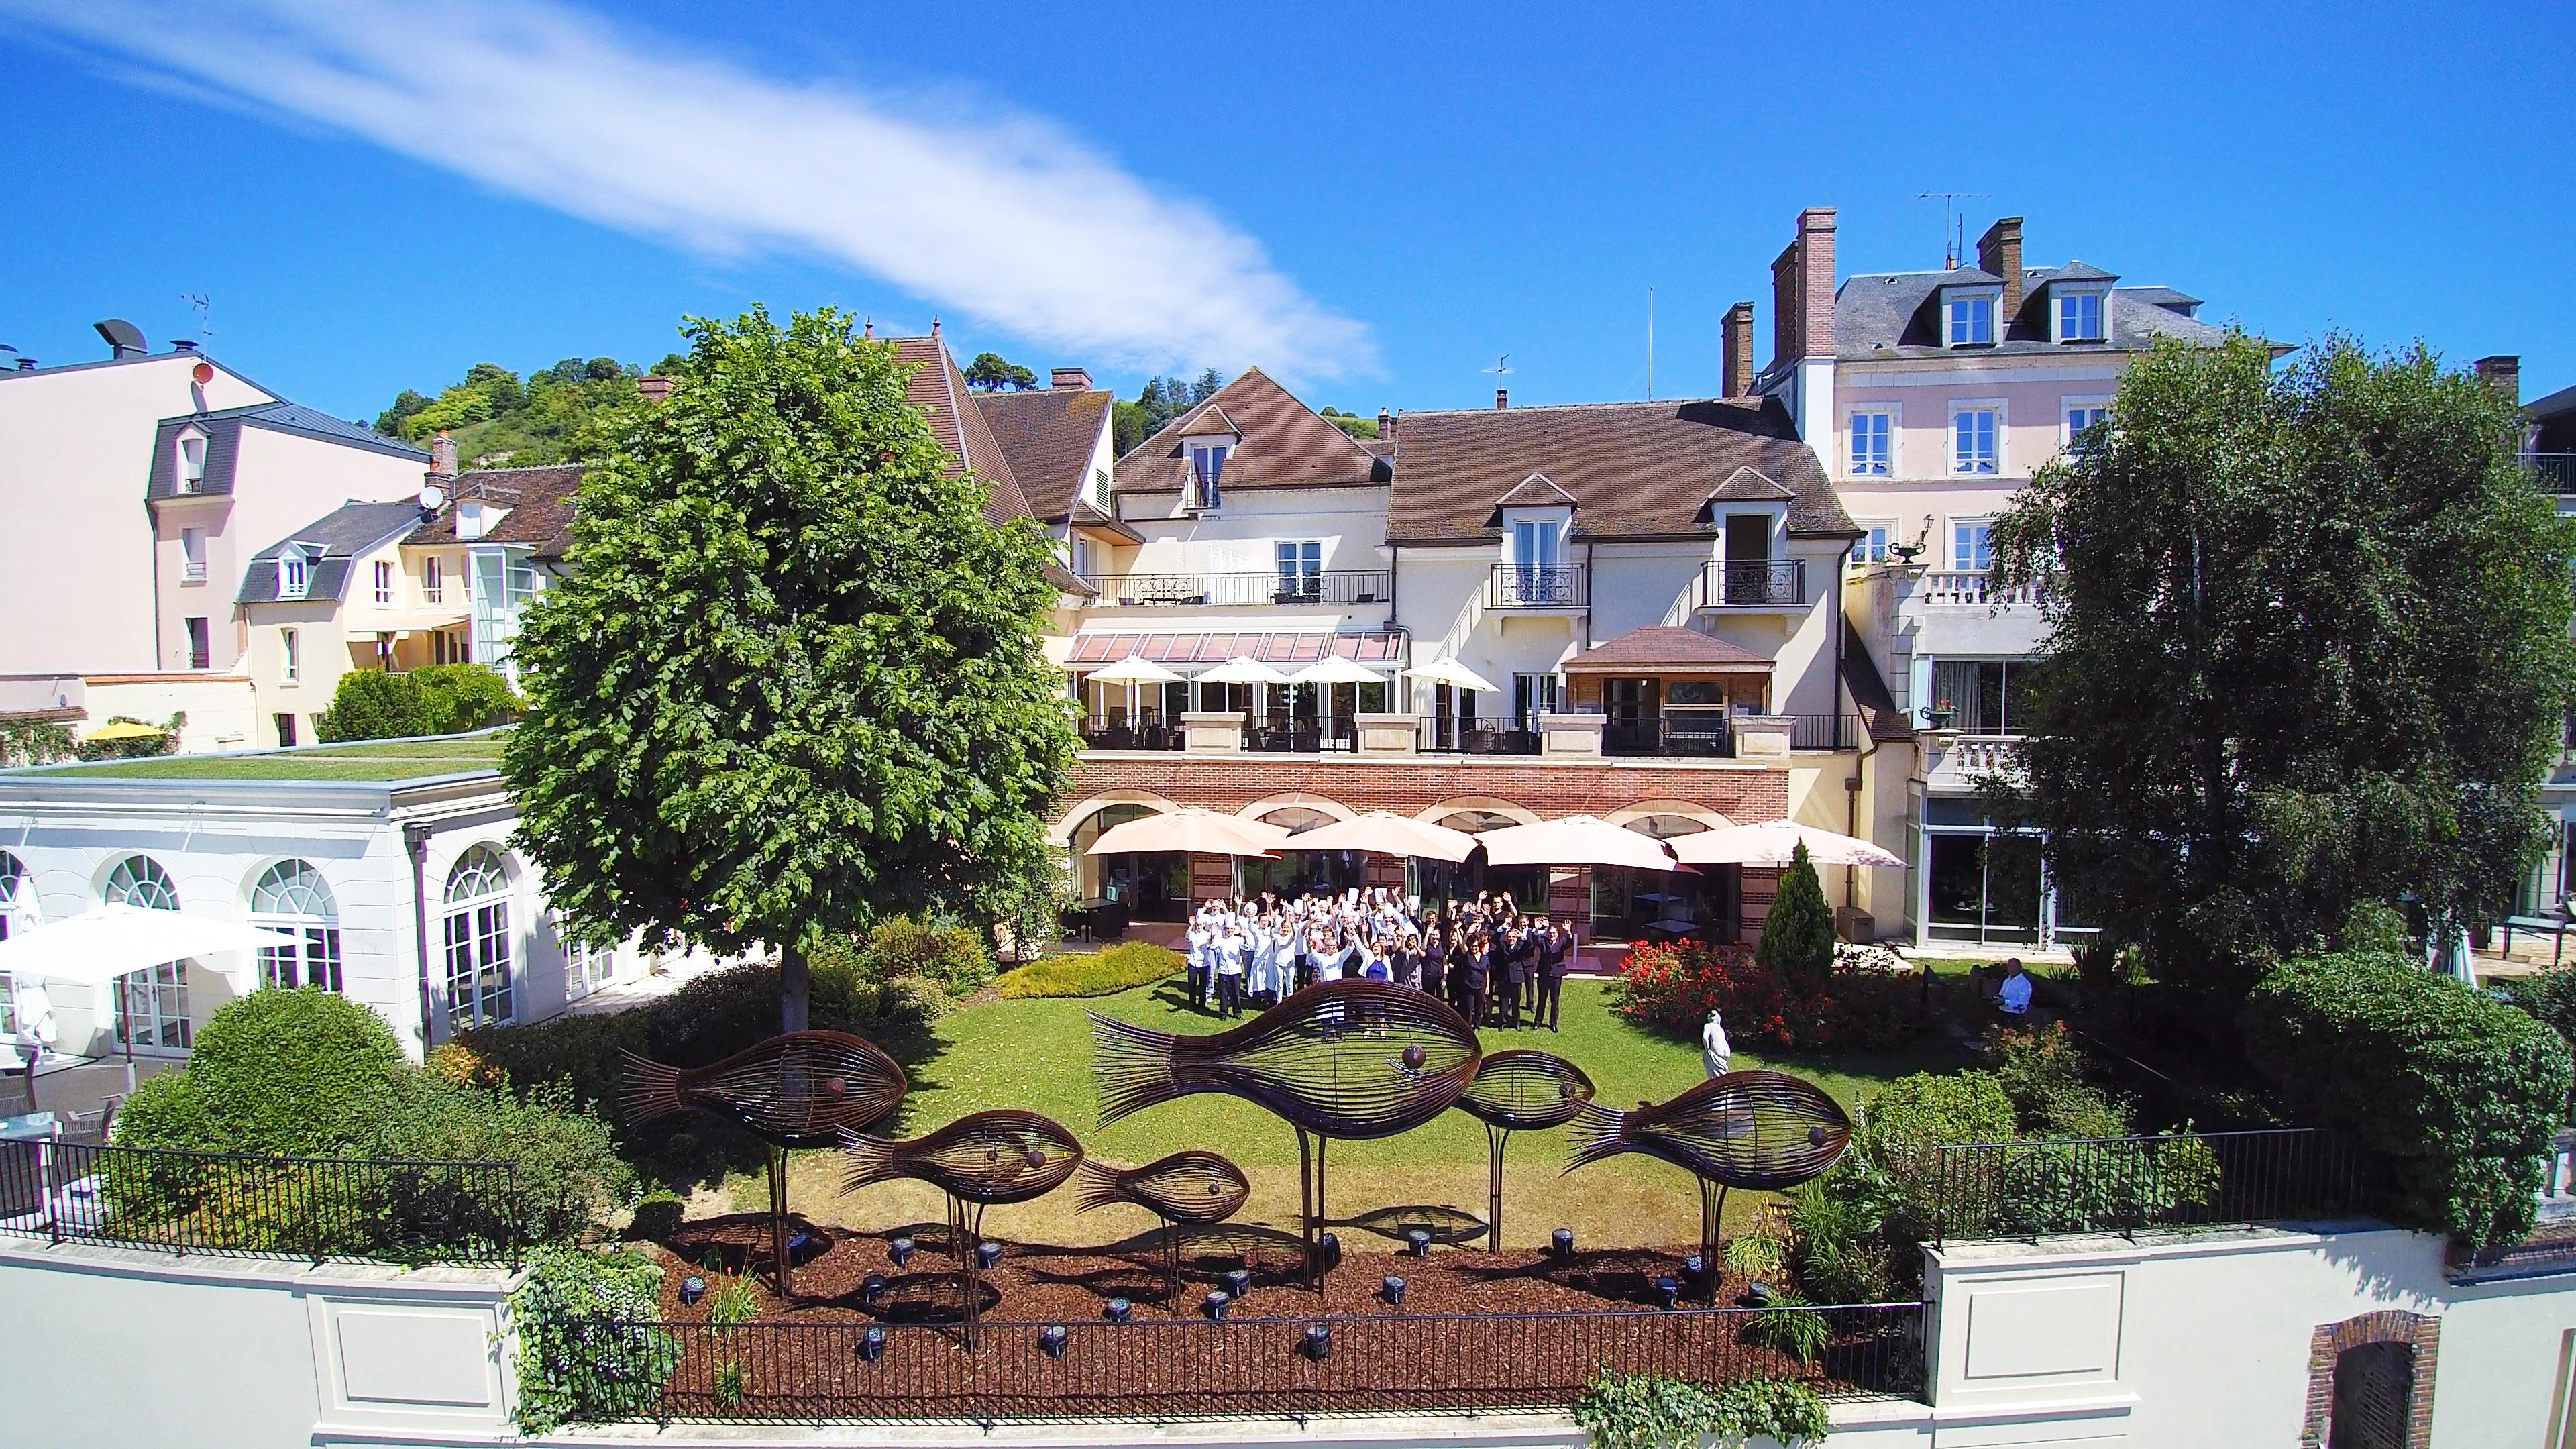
(1667, 649)
(1275, 646)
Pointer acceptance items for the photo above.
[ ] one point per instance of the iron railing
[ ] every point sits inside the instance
(1243, 589)
(1770, 584)
(2554, 472)
(1537, 586)
(1117, 732)
(305, 1207)
(1302, 738)
(2121, 1184)
(1702, 734)
(1443, 734)
(1824, 731)
(1180, 1368)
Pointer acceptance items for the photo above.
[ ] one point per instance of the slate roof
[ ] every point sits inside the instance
(1049, 436)
(539, 500)
(1285, 444)
(1535, 491)
(1666, 646)
(940, 391)
(346, 533)
(223, 429)
(1634, 470)
(1883, 315)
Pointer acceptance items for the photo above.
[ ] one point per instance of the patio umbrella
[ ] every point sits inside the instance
(1776, 842)
(1328, 671)
(1379, 833)
(1575, 840)
(1242, 669)
(1445, 670)
(123, 729)
(113, 942)
(1196, 831)
(1132, 671)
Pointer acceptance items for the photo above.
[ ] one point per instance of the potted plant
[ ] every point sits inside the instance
(1939, 715)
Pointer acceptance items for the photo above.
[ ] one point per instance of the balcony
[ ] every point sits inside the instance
(1537, 586)
(1304, 737)
(1446, 735)
(1768, 584)
(1972, 588)
(2554, 472)
(193, 572)
(1242, 589)
(1117, 732)
(1686, 734)
(1824, 731)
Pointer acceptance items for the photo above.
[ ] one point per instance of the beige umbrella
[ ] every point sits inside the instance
(1328, 671)
(1446, 670)
(1242, 669)
(112, 942)
(1195, 831)
(1575, 840)
(1775, 842)
(1132, 671)
(1379, 833)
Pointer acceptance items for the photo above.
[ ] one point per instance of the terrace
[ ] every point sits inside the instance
(1242, 589)
(387, 761)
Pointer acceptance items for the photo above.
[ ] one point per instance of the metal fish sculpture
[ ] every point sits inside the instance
(1520, 1090)
(802, 1089)
(1347, 1059)
(1001, 1156)
(1187, 1187)
(1753, 1129)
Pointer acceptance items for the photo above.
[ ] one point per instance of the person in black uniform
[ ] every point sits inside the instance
(1555, 947)
(1514, 966)
(1435, 965)
(1473, 969)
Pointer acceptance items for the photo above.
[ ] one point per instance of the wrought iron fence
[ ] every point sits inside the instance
(1147, 732)
(309, 1207)
(2120, 1184)
(1243, 588)
(2555, 472)
(1196, 1367)
(1767, 584)
(1538, 586)
(1824, 731)
(1696, 734)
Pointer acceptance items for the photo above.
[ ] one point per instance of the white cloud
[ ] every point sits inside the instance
(999, 216)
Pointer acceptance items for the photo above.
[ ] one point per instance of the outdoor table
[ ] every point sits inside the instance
(2555, 926)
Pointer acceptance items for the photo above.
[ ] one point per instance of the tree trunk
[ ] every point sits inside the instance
(791, 989)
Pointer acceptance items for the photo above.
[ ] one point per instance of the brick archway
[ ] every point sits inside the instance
(2417, 1333)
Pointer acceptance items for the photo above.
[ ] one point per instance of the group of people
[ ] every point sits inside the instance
(1496, 964)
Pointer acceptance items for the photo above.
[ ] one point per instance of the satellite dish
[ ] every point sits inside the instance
(432, 498)
(123, 338)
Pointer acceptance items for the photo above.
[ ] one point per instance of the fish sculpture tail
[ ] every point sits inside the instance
(648, 1089)
(867, 1160)
(1099, 1187)
(1595, 1132)
(1136, 1066)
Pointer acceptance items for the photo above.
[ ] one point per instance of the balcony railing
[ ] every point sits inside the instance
(194, 573)
(1537, 586)
(1117, 732)
(1480, 737)
(1304, 737)
(2555, 472)
(1242, 590)
(1772, 584)
(1703, 734)
(1824, 731)
(1972, 587)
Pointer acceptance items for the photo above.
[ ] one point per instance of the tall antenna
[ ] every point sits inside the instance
(1953, 222)
(204, 308)
(1501, 369)
(1650, 344)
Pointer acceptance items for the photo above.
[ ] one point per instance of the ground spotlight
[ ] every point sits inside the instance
(871, 1288)
(1215, 1303)
(1117, 1310)
(692, 1288)
(1238, 1283)
(1393, 1287)
(1417, 1241)
(900, 1250)
(1051, 1340)
(872, 1344)
(987, 1253)
(1669, 1289)
(1317, 1343)
(1563, 1241)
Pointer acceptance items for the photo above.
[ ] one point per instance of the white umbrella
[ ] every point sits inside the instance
(1242, 669)
(115, 941)
(1776, 842)
(1575, 840)
(1328, 671)
(1132, 671)
(1379, 833)
(1445, 670)
(1195, 831)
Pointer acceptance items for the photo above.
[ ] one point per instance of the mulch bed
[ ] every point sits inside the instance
(1474, 1329)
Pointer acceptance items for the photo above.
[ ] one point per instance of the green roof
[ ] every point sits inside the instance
(361, 760)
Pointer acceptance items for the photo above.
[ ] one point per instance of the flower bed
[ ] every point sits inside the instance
(1861, 1005)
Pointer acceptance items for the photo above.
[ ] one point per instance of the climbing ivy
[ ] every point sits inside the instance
(1657, 1411)
(588, 1350)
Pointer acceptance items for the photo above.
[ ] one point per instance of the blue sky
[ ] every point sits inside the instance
(1372, 202)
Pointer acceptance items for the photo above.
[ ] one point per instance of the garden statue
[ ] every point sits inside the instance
(802, 1089)
(1766, 1131)
(1347, 1059)
(1193, 1187)
(1000, 1156)
(1514, 1091)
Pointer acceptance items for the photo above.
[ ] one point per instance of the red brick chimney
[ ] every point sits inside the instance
(1072, 379)
(1802, 291)
(1502, 397)
(1735, 350)
(654, 386)
(2503, 373)
(1999, 252)
(442, 455)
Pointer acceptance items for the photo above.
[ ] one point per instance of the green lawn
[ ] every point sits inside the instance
(1036, 1054)
(359, 760)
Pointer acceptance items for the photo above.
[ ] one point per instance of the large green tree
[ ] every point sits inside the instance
(2308, 647)
(794, 680)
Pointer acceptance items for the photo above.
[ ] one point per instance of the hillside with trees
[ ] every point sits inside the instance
(497, 419)
(1158, 402)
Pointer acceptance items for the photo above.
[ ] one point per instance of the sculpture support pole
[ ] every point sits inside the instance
(1306, 1213)
(778, 1222)
(1712, 1216)
(1495, 1138)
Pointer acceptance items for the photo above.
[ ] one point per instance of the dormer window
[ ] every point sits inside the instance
(1207, 466)
(1972, 319)
(469, 519)
(192, 461)
(294, 574)
(2079, 316)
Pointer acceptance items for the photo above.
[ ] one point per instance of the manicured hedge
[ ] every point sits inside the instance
(1122, 967)
(2457, 1093)
(300, 1073)
(2551, 997)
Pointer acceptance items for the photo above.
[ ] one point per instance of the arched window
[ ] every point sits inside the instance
(1665, 827)
(1477, 822)
(1294, 818)
(17, 897)
(157, 997)
(475, 939)
(139, 880)
(292, 898)
(1105, 818)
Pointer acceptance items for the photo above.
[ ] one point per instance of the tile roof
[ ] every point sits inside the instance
(223, 442)
(343, 534)
(1049, 435)
(940, 391)
(539, 501)
(1666, 646)
(1746, 486)
(1635, 470)
(1285, 444)
(1891, 315)
(1535, 491)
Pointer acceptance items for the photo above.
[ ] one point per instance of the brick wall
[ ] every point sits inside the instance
(2419, 1335)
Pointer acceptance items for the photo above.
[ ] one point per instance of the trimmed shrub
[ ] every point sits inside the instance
(583, 1356)
(2457, 1093)
(300, 1073)
(567, 1173)
(2551, 997)
(1798, 935)
(2042, 1071)
(950, 955)
(370, 704)
(455, 698)
(1122, 967)
(1657, 1411)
